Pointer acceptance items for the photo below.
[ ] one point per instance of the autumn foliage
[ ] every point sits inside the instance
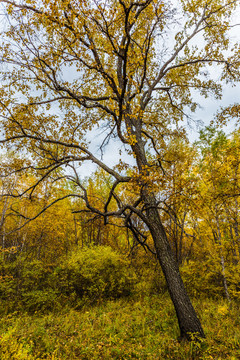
(81, 78)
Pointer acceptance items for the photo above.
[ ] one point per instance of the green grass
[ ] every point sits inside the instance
(122, 329)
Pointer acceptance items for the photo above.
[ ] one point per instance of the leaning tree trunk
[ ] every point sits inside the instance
(189, 323)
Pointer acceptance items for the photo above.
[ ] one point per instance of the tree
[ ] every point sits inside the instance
(178, 199)
(218, 201)
(48, 237)
(215, 180)
(76, 66)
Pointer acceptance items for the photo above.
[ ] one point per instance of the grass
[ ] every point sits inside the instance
(144, 328)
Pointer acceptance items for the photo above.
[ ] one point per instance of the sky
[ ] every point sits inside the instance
(209, 108)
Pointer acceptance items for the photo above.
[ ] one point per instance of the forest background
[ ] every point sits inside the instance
(76, 283)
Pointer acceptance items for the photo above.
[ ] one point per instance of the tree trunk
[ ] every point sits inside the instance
(189, 323)
(222, 261)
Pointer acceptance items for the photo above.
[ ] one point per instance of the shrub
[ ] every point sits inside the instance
(150, 278)
(93, 273)
(89, 273)
(203, 278)
(25, 284)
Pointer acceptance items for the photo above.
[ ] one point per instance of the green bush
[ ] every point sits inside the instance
(40, 300)
(25, 284)
(233, 280)
(150, 278)
(89, 273)
(203, 278)
(94, 273)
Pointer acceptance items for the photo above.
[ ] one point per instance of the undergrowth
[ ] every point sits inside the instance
(130, 328)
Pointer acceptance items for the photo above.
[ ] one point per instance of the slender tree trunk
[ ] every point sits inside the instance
(181, 247)
(75, 230)
(222, 261)
(224, 278)
(188, 321)
(236, 227)
(2, 222)
(234, 234)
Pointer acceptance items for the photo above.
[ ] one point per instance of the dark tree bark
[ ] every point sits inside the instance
(189, 323)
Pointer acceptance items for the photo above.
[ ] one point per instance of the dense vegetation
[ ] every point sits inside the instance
(134, 328)
(74, 288)
(113, 83)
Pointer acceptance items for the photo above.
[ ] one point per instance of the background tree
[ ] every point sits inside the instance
(177, 196)
(76, 66)
(216, 205)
